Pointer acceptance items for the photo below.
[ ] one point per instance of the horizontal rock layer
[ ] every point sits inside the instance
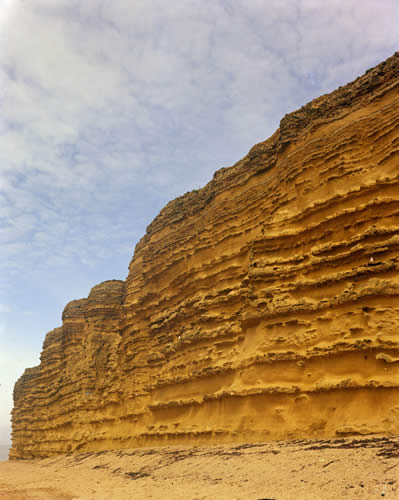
(263, 306)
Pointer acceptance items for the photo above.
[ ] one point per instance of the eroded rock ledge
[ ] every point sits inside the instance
(263, 306)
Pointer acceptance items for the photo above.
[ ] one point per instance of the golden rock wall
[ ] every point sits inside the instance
(263, 306)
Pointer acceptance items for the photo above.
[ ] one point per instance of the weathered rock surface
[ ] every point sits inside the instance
(263, 306)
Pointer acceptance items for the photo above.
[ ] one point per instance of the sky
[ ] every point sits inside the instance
(108, 110)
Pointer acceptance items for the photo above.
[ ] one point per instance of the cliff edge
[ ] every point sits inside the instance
(262, 306)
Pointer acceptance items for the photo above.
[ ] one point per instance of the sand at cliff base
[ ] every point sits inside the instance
(340, 468)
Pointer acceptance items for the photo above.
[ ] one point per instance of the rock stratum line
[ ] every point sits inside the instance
(263, 306)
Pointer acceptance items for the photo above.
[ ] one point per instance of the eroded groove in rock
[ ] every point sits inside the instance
(263, 306)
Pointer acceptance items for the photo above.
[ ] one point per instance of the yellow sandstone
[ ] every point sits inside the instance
(263, 306)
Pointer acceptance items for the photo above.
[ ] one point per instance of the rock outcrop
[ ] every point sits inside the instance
(263, 306)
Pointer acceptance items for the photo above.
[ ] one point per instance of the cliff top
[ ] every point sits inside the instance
(336, 103)
(105, 293)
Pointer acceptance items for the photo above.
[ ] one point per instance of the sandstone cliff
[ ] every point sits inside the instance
(263, 306)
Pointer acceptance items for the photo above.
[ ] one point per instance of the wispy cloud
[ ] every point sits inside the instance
(103, 101)
(5, 308)
(111, 108)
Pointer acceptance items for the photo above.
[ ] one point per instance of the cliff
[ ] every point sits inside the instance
(263, 306)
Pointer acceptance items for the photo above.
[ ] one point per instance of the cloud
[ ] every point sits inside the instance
(105, 104)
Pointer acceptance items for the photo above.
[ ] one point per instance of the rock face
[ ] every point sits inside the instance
(263, 306)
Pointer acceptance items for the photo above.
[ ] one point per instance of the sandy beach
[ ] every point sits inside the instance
(328, 469)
